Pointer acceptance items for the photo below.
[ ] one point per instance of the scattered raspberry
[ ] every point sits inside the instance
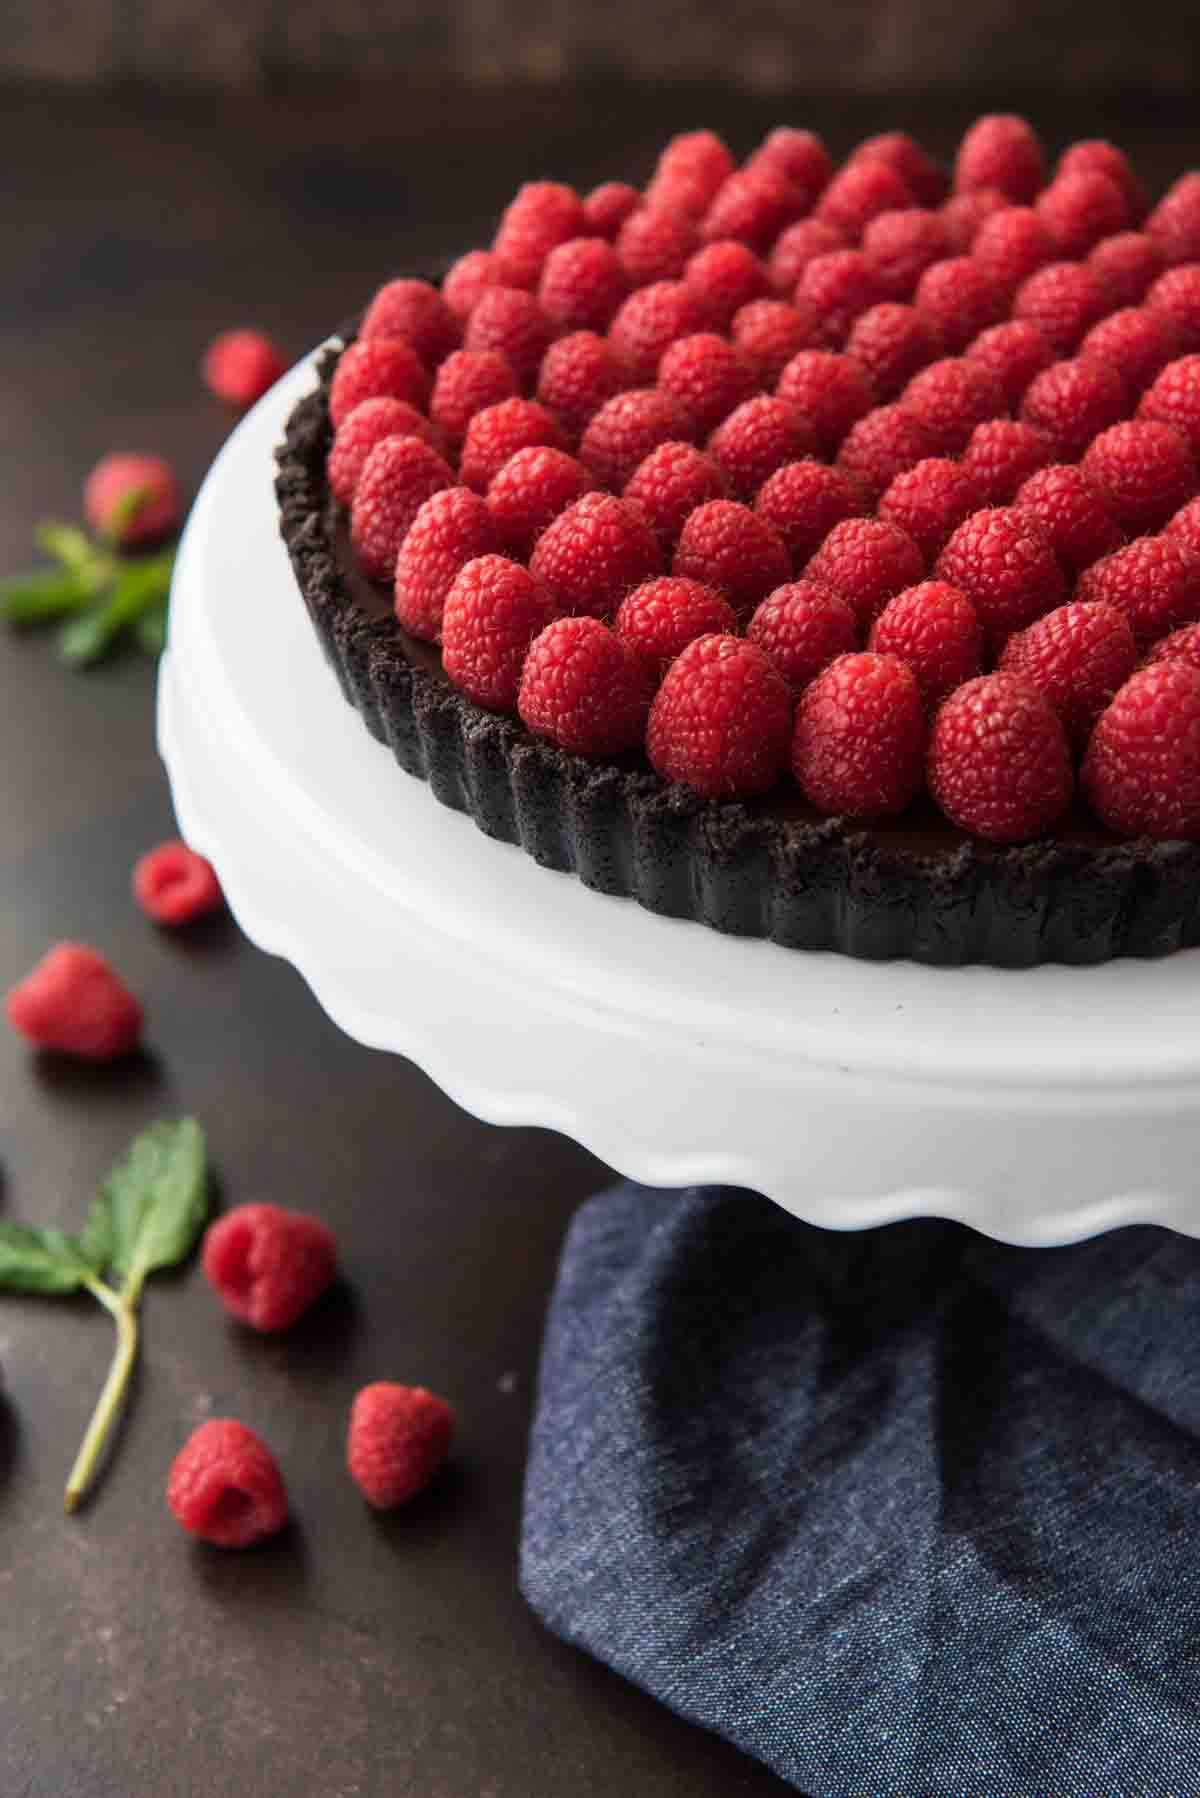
(892, 342)
(804, 500)
(1064, 300)
(1095, 155)
(608, 206)
(1070, 513)
(1175, 222)
(649, 321)
(582, 285)
(1152, 579)
(543, 215)
(511, 321)
(358, 434)
(594, 553)
(1137, 342)
(832, 392)
(929, 501)
(1143, 471)
(399, 1437)
(415, 311)
(1078, 210)
(451, 529)
(584, 690)
(661, 617)
(835, 289)
(1181, 646)
(1127, 264)
(1141, 774)
(1175, 399)
(239, 366)
(1012, 353)
(1074, 401)
(670, 483)
(799, 245)
(762, 435)
(173, 885)
(467, 279)
(469, 381)
(722, 719)
(768, 333)
(959, 300)
(689, 171)
(1012, 245)
(935, 629)
(725, 276)
(367, 370)
(915, 166)
(803, 626)
(859, 745)
(225, 1487)
(1002, 454)
(1077, 655)
(950, 398)
(867, 561)
(754, 205)
(493, 611)
(1004, 151)
(498, 432)
(799, 156)
(860, 191)
(1006, 568)
(1185, 528)
(729, 547)
(578, 374)
(74, 1003)
(268, 1265)
(627, 428)
(999, 764)
(707, 377)
(900, 246)
(131, 499)
(963, 215)
(533, 487)
(653, 245)
(882, 445)
(397, 478)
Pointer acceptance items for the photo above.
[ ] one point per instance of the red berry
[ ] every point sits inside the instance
(799, 245)
(358, 434)
(799, 156)
(722, 719)
(498, 432)
(725, 276)
(832, 392)
(1011, 245)
(1137, 342)
(802, 626)
(1153, 579)
(950, 398)
(1007, 569)
(768, 333)
(1064, 300)
(582, 285)
(594, 553)
(964, 214)
(1185, 528)
(1127, 265)
(1175, 299)
(583, 689)
(689, 171)
(860, 191)
(608, 206)
(729, 547)
(882, 445)
(899, 246)
(578, 374)
(398, 1439)
(511, 321)
(999, 764)
(803, 501)
(1072, 402)
(867, 561)
(1181, 646)
(627, 428)
(268, 1265)
(131, 499)
(1070, 513)
(1175, 222)
(959, 300)
(893, 342)
(929, 501)
(451, 529)
(1012, 353)
(225, 1487)
(74, 1003)
(670, 483)
(533, 487)
(1094, 154)
(913, 164)
(753, 205)
(859, 745)
(366, 370)
(1141, 774)
(1004, 151)
(1143, 472)
(935, 629)
(174, 885)
(649, 321)
(543, 215)
(1174, 399)
(654, 245)
(661, 617)
(469, 381)
(467, 279)
(239, 366)
(836, 289)
(762, 435)
(707, 377)
(415, 311)
(1077, 210)
(1002, 454)
(397, 478)
(1077, 655)
(493, 611)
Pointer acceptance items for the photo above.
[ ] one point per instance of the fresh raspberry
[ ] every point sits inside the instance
(899, 246)
(725, 276)
(858, 750)
(469, 381)
(1095, 154)
(1181, 646)
(131, 499)
(533, 487)
(1011, 245)
(268, 1265)
(1012, 352)
(762, 435)
(661, 617)
(451, 529)
(999, 764)
(582, 285)
(796, 247)
(959, 300)
(1153, 579)
(768, 333)
(1175, 299)
(799, 156)
(867, 561)
(511, 321)
(722, 719)
(1006, 568)
(689, 171)
(729, 547)
(239, 366)
(707, 377)
(892, 342)
(1078, 210)
(415, 311)
(1137, 342)
(594, 553)
(467, 280)
(950, 398)
(649, 321)
(935, 629)
(174, 885)
(754, 205)
(1004, 151)
(398, 1439)
(498, 432)
(493, 611)
(1175, 222)
(627, 428)
(368, 370)
(1001, 455)
(882, 445)
(1174, 399)
(1064, 300)
(670, 483)
(1143, 471)
(1185, 528)
(397, 478)
(1072, 402)
(358, 434)
(608, 206)
(915, 166)
(1141, 774)
(832, 392)
(543, 215)
(1077, 655)
(803, 501)
(225, 1486)
(803, 626)
(74, 1003)
(929, 501)
(963, 215)
(1071, 513)
(836, 289)
(584, 690)
(653, 245)
(578, 374)
(1128, 264)
(860, 191)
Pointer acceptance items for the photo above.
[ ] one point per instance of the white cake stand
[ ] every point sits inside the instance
(1040, 1106)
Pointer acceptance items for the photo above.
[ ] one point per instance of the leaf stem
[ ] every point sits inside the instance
(122, 1308)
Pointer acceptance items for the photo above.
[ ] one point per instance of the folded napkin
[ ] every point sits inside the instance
(904, 1514)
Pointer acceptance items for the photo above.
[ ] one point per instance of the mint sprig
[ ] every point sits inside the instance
(103, 596)
(149, 1214)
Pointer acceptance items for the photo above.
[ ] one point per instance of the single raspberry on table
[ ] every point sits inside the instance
(915, 166)
(1185, 528)
(799, 245)
(75, 1003)
(498, 432)
(725, 276)
(707, 377)
(661, 617)
(1074, 401)
(753, 205)
(1175, 222)
(768, 333)
(582, 284)
(493, 611)
(893, 342)
(594, 553)
(1097, 154)
(1012, 353)
(533, 487)
(1012, 245)
(1077, 655)
(804, 500)
(858, 749)
(899, 246)
(929, 501)
(727, 546)
(1079, 209)
(1000, 456)
(268, 1266)
(583, 689)
(366, 370)
(469, 381)
(833, 392)
(451, 529)
(511, 321)
(467, 280)
(361, 430)
(1141, 774)
(173, 885)
(1181, 646)
(670, 483)
(1143, 471)
(1006, 567)
(963, 215)
(882, 445)
(627, 428)
(1064, 300)
(542, 215)
(999, 763)
(834, 290)
(1135, 341)
(959, 300)
(867, 561)
(397, 478)
(649, 321)
(759, 437)
(803, 626)
(860, 191)
(690, 169)
(800, 156)
(608, 206)
(950, 398)
(1071, 514)
(417, 312)
(654, 245)
(1174, 399)
(1001, 150)
(399, 1437)
(240, 365)
(935, 629)
(1175, 299)
(721, 720)
(1153, 579)
(578, 374)
(225, 1486)
(1128, 264)
(131, 499)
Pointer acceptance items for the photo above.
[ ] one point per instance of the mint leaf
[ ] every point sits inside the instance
(140, 585)
(41, 594)
(157, 1201)
(151, 629)
(74, 549)
(41, 1260)
(96, 1237)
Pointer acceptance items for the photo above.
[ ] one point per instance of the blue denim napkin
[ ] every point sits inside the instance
(906, 1514)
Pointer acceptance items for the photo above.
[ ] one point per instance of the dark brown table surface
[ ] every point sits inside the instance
(355, 1656)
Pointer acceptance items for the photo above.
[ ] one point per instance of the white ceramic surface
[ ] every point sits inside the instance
(1040, 1106)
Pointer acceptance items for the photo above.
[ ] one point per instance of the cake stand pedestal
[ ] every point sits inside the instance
(1039, 1106)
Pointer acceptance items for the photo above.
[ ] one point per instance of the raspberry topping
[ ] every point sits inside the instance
(397, 478)
(1127, 264)
(959, 300)
(543, 215)
(1064, 300)
(511, 321)
(1004, 151)
(467, 279)
(493, 611)
(1137, 342)
(1141, 774)
(1012, 353)
(935, 629)
(578, 374)
(582, 285)
(173, 885)
(899, 246)
(1074, 401)
(799, 245)
(689, 171)
(768, 333)
(358, 434)
(835, 289)
(583, 689)
(415, 311)
(862, 189)
(1175, 298)
(799, 156)
(399, 1437)
(533, 487)
(964, 214)
(1175, 222)
(726, 276)
(753, 205)
(469, 381)
(498, 432)
(929, 501)
(913, 164)
(950, 398)
(365, 370)
(75, 1003)
(804, 500)
(892, 342)
(1096, 155)
(608, 206)
(722, 719)
(707, 376)
(1001, 456)
(654, 245)
(1011, 245)
(239, 366)
(832, 392)
(451, 529)
(1143, 471)
(670, 483)
(1181, 646)
(859, 743)
(1077, 655)
(108, 496)
(661, 617)
(225, 1487)
(802, 626)
(999, 763)
(1006, 567)
(268, 1265)
(627, 428)
(867, 561)
(729, 547)
(1185, 528)
(1080, 208)
(761, 436)
(594, 553)
(1153, 580)
(650, 321)
(882, 445)
(1174, 399)
(1070, 513)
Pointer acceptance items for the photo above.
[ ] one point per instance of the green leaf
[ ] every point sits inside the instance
(41, 1260)
(41, 594)
(141, 585)
(96, 1237)
(67, 544)
(151, 630)
(157, 1200)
